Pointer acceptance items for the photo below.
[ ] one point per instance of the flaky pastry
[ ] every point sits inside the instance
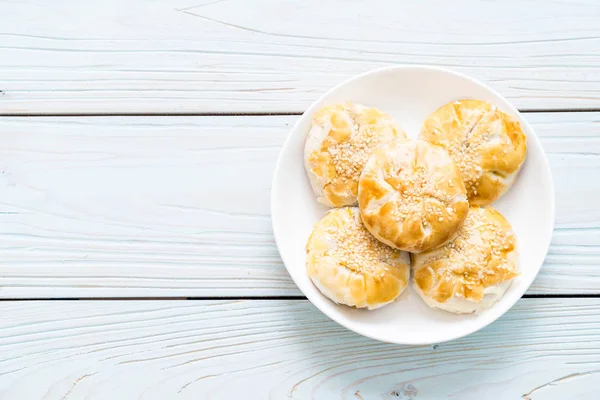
(487, 144)
(349, 266)
(473, 271)
(338, 145)
(411, 195)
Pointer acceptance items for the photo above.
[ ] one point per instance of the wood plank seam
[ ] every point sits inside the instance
(269, 298)
(247, 114)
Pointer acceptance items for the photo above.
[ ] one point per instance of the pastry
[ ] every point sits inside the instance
(411, 195)
(473, 271)
(487, 144)
(338, 145)
(349, 266)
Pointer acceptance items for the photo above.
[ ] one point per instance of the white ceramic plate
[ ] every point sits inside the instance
(409, 94)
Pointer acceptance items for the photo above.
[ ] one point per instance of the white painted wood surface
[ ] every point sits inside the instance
(179, 206)
(541, 349)
(173, 56)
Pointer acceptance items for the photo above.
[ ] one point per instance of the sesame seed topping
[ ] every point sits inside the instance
(477, 257)
(355, 248)
(471, 140)
(354, 131)
(418, 193)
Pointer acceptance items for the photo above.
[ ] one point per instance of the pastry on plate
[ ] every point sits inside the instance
(472, 272)
(349, 266)
(411, 195)
(487, 144)
(338, 145)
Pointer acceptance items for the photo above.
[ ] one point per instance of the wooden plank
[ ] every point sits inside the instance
(179, 206)
(262, 56)
(541, 349)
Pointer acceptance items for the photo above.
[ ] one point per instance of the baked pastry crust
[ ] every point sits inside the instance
(411, 195)
(349, 266)
(473, 271)
(338, 145)
(487, 144)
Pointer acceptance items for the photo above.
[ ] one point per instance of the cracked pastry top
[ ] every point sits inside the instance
(473, 271)
(339, 143)
(349, 266)
(412, 196)
(487, 144)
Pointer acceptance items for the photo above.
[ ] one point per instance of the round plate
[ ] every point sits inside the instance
(409, 94)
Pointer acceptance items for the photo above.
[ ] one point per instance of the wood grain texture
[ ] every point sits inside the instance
(541, 349)
(179, 206)
(211, 56)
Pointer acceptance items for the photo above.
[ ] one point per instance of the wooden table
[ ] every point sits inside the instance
(137, 146)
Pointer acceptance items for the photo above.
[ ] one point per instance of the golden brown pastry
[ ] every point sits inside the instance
(487, 144)
(473, 271)
(349, 266)
(411, 195)
(338, 145)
